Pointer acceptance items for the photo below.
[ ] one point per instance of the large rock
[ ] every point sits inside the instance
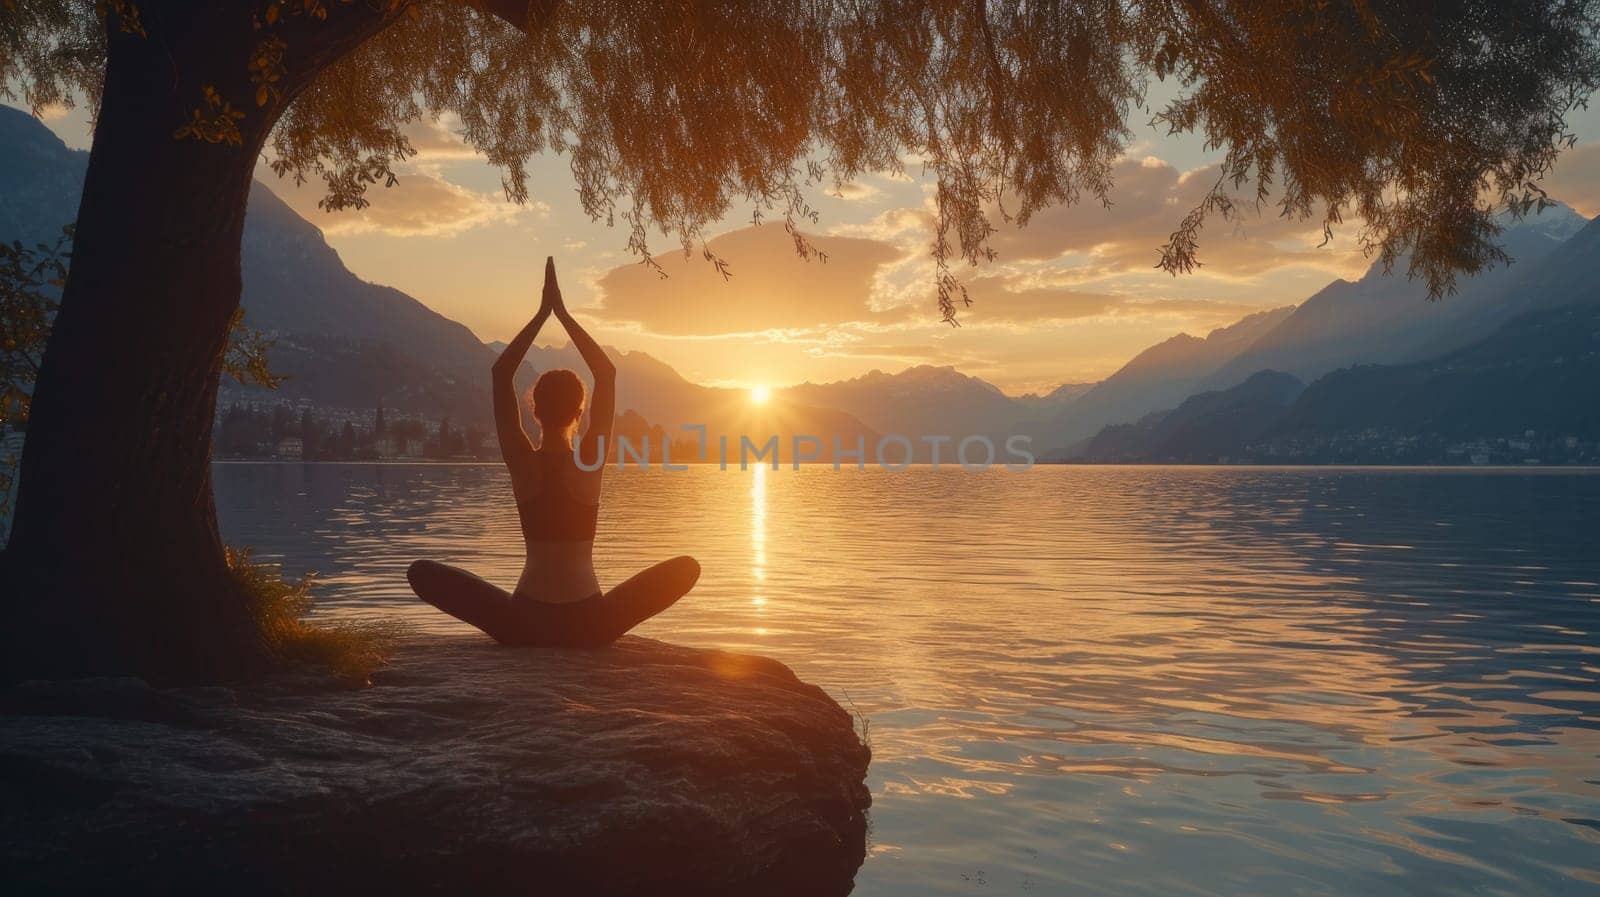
(465, 769)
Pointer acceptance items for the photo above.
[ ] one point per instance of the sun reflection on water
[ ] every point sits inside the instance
(758, 540)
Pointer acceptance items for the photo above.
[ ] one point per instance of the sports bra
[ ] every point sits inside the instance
(554, 514)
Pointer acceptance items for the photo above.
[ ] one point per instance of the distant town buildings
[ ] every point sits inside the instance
(300, 431)
(1388, 447)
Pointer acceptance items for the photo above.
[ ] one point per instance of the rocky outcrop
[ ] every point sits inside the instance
(464, 769)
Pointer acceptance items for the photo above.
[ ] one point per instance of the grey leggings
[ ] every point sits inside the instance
(594, 622)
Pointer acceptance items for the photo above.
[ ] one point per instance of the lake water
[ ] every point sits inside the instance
(1102, 680)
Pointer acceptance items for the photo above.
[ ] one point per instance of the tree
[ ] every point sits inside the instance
(239, 432)
(347, 442)
(308, 435)
(278, 425)
(442, 448)
(1420, 118)
(29, 278)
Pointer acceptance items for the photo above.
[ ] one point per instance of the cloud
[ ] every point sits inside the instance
(439, 140)
(770, 288)
(855, 191)
(1149, 199)
(898, 225)
(878, 280)
(424, 202)
(421, 204)
(1204, 309)
(1001, 299)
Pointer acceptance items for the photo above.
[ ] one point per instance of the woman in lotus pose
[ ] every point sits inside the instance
(557, 601)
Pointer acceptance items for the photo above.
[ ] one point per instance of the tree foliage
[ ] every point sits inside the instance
(30, 280)
(245, 359)
(1420, 120)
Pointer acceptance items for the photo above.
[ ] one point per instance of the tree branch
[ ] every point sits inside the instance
(524, 15)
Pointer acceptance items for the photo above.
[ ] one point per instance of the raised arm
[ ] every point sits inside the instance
(603, 406)
(515, 446)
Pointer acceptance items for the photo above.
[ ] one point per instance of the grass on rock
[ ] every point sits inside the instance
(348, 650)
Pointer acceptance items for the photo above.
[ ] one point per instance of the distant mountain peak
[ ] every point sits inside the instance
(1558, 221)
(920, 374)
(1246, 325)
(1532, 235)
(1387, 318)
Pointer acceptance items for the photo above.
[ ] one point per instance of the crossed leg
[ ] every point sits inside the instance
(642, 596)
(590, 623)
(468, 598)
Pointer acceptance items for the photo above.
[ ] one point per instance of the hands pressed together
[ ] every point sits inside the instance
(551, 302)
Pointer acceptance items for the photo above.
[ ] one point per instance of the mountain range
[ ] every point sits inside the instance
(344, 342)
(1205, 427)
(1155, 379)
(347, 343)
(1528, 388)
(1384, 318)
(930, 401)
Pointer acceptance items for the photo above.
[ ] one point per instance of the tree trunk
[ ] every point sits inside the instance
(115, 564)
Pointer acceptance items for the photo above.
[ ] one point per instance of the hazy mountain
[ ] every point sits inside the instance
(1539, 372)
(348, 342)
(342, 341)
(1378, 319)
(1057, 398)
(1154, 380)
(41, 180)
(1387, 319)
(931, 401)
(1205, 427)
(1569, 275)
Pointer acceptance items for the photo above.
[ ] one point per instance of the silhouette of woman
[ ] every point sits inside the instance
(558, 601)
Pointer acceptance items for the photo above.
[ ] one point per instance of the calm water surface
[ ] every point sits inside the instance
(1104, 680)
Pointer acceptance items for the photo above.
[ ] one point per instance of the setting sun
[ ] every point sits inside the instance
(760, 394)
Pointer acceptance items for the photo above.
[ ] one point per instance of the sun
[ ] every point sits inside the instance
(760, 395)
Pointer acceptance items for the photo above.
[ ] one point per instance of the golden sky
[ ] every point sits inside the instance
(1069, 299)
